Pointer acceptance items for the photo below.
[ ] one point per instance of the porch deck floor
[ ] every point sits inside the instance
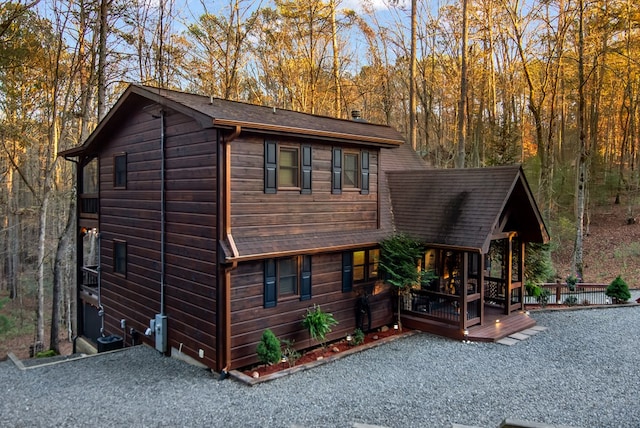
(490, 331)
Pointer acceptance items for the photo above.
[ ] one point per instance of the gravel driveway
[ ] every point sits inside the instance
(581, 372)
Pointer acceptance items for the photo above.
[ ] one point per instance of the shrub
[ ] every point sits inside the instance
(268, 348)
(543, 298)
(5, 323)
(318, 323)
(46, 354)
(571, 301)
(618, 290)
(357, 338)
(289, 352)
(399, 261)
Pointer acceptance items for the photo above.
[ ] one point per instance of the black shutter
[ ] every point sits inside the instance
(336, 176)
(364, 171)
(306, 169)
(305, 278)
(347, 272)
(270, 166)
(270, 295)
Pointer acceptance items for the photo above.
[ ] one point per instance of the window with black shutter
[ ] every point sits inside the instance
(286, 278)
(287, 167)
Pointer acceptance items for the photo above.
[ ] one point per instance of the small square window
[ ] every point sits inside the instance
(351, 169)
(288, 277)
(288, 170)
(120, 171)
(365, 265)
(120, 257)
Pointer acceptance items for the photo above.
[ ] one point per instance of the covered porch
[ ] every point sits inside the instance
(475, 224)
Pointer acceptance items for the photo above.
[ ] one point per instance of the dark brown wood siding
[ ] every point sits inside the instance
(288, 212)
(249, 317)
(133, 215)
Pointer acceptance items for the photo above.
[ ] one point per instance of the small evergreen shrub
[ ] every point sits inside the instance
(268, 348)
(571, 301)
(618, 290)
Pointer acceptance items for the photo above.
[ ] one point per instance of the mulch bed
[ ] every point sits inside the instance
(317, 356)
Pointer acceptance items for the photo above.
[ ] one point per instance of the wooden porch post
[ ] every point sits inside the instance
(508, 274)
(481, 285)
(521, 274)
(463, 290)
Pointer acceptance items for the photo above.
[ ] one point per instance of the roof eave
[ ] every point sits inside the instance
(324, 135)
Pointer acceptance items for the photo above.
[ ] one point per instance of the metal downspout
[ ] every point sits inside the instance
(162, 210)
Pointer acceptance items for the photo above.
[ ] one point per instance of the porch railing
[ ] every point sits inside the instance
(441, 307)
(582, 294)
(89, 205)
(89, 286)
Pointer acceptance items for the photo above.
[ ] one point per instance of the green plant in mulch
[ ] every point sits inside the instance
(289, 352)
(618, 290)
(318, 323)
(571, 301)
(357, 337)
(268, 348)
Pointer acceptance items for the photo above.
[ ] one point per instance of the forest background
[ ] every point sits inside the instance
(551, 84)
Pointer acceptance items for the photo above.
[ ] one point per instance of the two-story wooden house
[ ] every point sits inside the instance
(203, 222)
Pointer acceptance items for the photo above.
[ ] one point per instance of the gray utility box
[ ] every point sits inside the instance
(109, 343)
(161, 332)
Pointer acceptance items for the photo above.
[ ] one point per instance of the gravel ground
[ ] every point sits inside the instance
(580, 372)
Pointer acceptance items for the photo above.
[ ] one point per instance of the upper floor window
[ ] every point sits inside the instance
(120, 170)
(288, 171)
(287, 167)
(90, 177)
(350, 170)
(120, 257)
(286, 278)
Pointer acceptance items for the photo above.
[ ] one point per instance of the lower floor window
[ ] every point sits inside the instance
(285, 278)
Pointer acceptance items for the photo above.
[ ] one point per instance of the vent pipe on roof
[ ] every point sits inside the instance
(356, 116)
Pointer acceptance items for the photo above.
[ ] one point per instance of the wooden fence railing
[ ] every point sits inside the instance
(582, 294)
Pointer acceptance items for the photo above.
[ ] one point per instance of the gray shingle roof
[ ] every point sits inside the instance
(464, 207)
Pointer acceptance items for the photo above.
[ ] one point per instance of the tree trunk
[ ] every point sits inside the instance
(581, 170)
(413, 131)
(58, 275)
(462, 102)
(336, 62)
